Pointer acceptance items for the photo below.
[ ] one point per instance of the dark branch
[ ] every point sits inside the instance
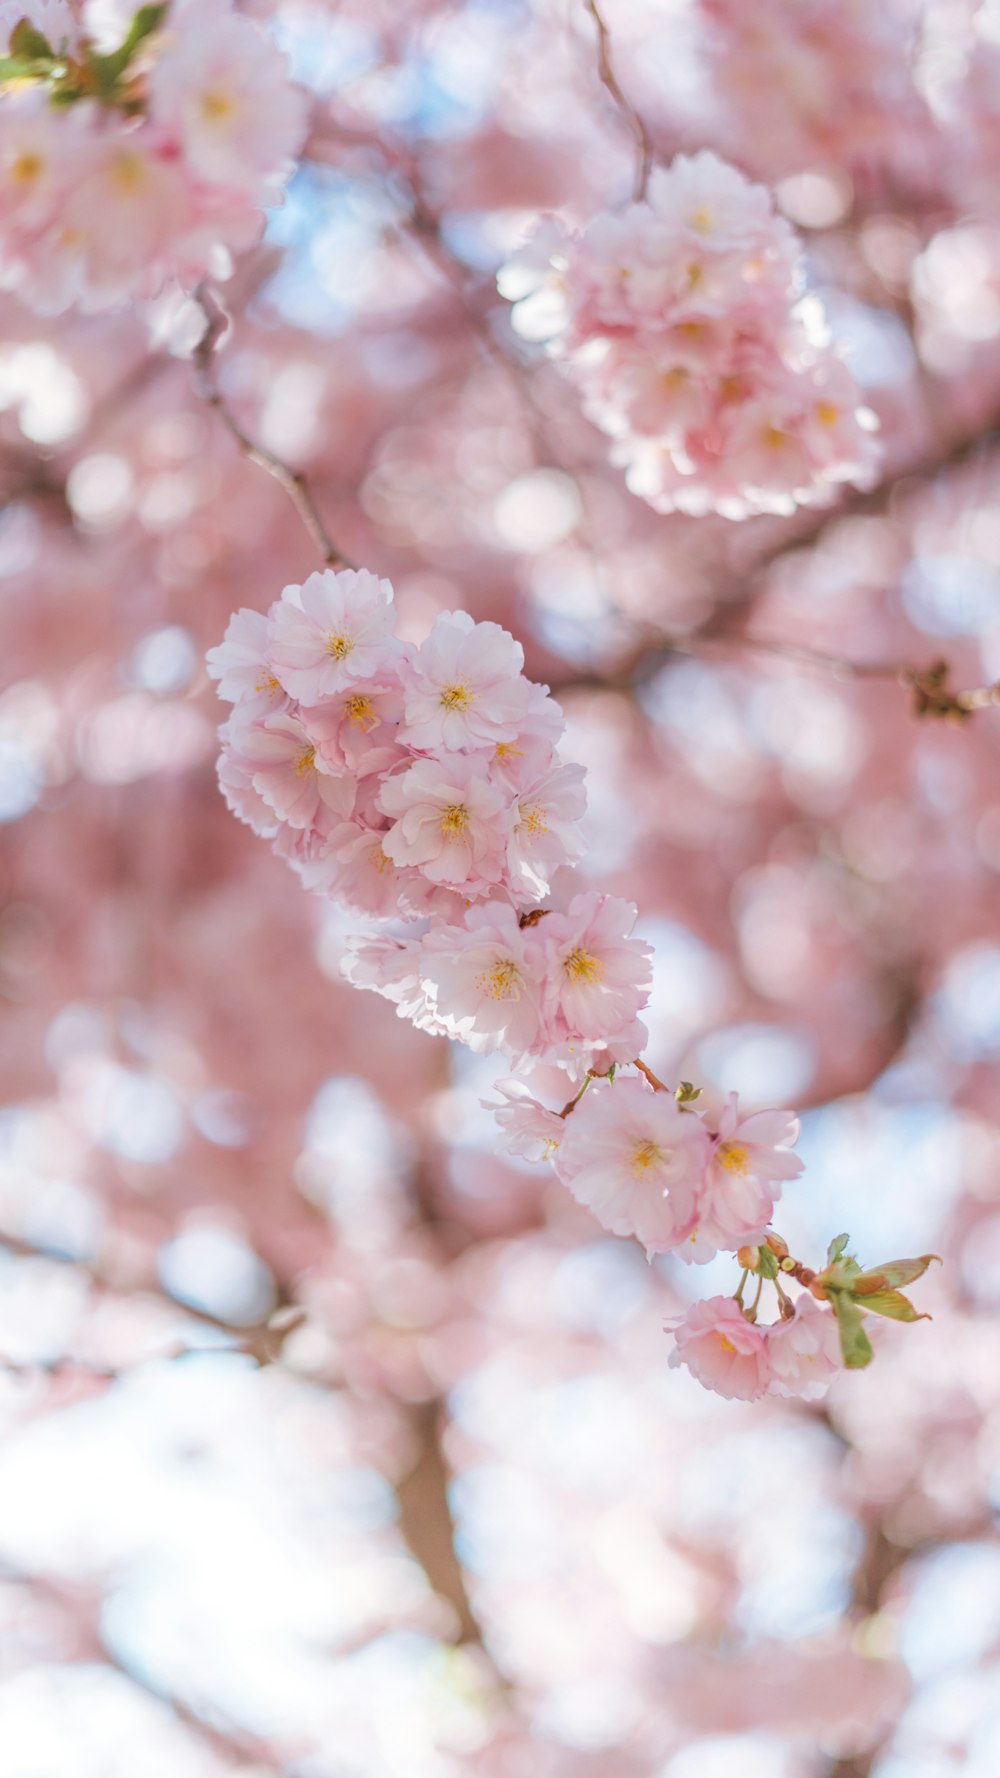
(292, 480)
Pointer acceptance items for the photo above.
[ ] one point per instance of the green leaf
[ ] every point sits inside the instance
(894, 1273)
(767, 1262)
(29, 45)
(854, 1342)
(109, 69)
(891, 1303)
(837, 1249)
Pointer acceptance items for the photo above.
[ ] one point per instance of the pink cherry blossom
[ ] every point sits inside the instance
(804, 1352)
(749, 1160)
(285, 769)
(598, 976)
(448, 819)
(635, 1159)
(464, 687)
(242, 665)
(549, 801)
(221, 90)
(527, 1128)
(486, 979)
(330, 632)
(358, 718)
(722, 1349)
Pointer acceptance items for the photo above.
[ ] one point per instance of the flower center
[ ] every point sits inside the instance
(339, 645)
(361, 711)
(583, 966)
(128, 171)
(827, 414)
(456, 697)
(380, 859)
(215, 106)
(454, 820)
(734, 1158)
(726, 1344)
(501, 981)
(26, 168)
(533, 818)
(702, 220)
(646, 1155)
(267, 682)
(306, 762)
(774, 438)
(508, 750)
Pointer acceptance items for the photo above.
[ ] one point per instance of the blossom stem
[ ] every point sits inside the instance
(572, 1103)
(292, 480)
(609, 79)
(741, 1286)
(656, 1084)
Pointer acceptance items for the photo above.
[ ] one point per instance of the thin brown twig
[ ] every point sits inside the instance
(609, 79)
(932, 695)
(293, 481)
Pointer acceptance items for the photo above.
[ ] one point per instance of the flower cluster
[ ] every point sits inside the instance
(727, 1351)
(121, 169)
(666, 1171)
(403, 781)
(423, 786)
(683, 322)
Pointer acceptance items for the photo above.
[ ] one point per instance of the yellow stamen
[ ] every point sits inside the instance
(827, 414)
(26, 168)
(215, 106)
(533, 818)
(501, 981)
(774, 438)
(454, 820)
(734, 1158)
(581, 966)
(456, 697)
(507, 750)
(380, 859)
(646, 1156)
(267, 682)
(361, 711)
(306, 762)
(727, 1345)
(702, 220)
(339, 645)
(128, 170)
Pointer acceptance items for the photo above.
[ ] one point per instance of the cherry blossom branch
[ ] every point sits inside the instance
(263, 1342)
(293, 481)
(426, 1522)
(609, 79)
(931, 693)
